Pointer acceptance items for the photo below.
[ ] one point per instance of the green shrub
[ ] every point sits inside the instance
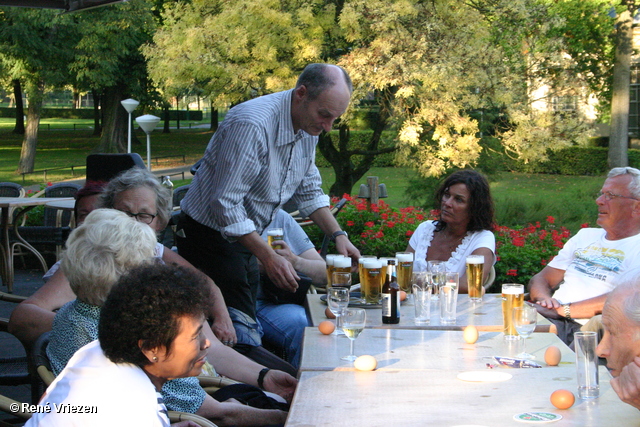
(375, 230)
(523, 252)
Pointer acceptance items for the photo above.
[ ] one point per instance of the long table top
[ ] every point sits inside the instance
(398, 349)
(439, 398)
(486, 316)
(14, 202)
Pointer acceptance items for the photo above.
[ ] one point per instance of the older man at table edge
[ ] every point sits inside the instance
(620, 344)
(587, 268)
(262, 155)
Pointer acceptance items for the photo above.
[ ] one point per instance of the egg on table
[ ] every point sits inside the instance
(365, 363)
(403, 295)
(552, 356)
(562, 399)
(470, 334)
(329, 314)
(326, 327)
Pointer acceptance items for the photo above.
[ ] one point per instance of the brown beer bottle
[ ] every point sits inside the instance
(391, 295)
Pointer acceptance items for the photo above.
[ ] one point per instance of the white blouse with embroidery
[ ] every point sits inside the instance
(421, 240)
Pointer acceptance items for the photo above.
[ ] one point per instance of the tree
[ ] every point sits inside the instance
(35, 48)
(108, 60)
(426, 66)
(619, 139)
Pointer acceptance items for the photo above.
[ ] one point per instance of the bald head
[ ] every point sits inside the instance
(318, 78)
(621, 320)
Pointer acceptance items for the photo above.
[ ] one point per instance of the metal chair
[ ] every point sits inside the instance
(11, 189)
(178, 195)
(103, 167)
(56, 224)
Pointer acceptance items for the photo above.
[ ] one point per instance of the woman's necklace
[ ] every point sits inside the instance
(452, 241)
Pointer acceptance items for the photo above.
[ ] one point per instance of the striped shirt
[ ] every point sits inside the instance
(253, 165)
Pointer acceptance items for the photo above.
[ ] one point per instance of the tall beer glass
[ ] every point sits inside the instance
(404, 269)
(330, 269)
(361, 261)
(475, 267)
(512, 296)
(342, 264)
(274, 234)
(371, 280)
(385, 262)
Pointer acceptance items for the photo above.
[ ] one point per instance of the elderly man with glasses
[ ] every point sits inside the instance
(573, 287)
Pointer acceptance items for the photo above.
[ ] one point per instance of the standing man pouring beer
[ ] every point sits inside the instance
(262, 155)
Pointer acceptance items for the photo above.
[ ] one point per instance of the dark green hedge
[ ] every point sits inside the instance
(577, 161)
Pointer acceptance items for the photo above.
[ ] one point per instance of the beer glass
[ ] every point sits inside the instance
(437, 270)
(475, 267)
(587, 364)
(360, 261)
(342, 264)
(449, 299)
(384, 266)
(371, 280)
(340, 279)
(404, 269)
(421, 287)
(512, 297)
(330, 260)
(274, 234)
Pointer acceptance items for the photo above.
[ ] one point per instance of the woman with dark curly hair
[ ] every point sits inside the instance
(150, 331)
(462, 229)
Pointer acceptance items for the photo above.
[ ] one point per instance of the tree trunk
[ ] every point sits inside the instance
(114, 132)
(97, 127)
(347, 173)
(619, 139)
(35, 91)
(17, 93)
(167, 118)
(177, 113)
(76, 99)
(214, 118)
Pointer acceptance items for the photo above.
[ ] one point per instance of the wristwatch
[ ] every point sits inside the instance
(567, 311)
(338, 233)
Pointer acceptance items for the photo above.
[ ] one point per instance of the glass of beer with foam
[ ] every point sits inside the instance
(512, 297)
(475, 270)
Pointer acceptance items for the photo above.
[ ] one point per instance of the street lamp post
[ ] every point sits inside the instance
(129, 105)
(148, 123)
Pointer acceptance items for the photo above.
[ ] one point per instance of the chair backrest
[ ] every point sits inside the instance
(179, 193)
(103, 167)
(61, 189)
(11, 189)
(40, 359)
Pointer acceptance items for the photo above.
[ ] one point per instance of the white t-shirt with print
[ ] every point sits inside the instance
(592, 264)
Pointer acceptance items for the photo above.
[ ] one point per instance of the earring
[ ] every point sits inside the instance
(155, 358)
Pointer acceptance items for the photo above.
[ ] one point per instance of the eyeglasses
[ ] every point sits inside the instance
(145, 218)
(608, 195)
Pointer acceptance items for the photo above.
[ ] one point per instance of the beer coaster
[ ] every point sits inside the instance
(484, 376)
(537, 417)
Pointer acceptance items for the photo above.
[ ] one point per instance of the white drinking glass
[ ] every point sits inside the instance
(338, 301)
(354, 321)
(525, 319)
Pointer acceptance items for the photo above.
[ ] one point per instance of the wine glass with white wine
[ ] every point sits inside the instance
(352, 324)
(525, 319)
